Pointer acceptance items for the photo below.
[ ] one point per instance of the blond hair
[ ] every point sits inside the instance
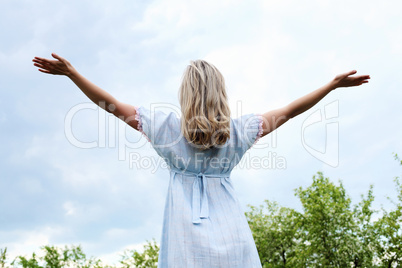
(204, 105)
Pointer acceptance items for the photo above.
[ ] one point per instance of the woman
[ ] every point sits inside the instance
(204, 225)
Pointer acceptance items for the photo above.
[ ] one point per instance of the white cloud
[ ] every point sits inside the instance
(70, 208)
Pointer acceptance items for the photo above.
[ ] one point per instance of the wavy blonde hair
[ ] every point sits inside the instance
(204, 104)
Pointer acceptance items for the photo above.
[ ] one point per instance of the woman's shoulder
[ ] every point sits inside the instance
(247, 129)
(250, 120)
(158, 113)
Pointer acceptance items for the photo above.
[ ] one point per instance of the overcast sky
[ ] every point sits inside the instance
(55, 191)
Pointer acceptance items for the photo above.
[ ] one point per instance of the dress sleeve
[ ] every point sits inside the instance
(248, 130)
(157, 126)
(142, 117)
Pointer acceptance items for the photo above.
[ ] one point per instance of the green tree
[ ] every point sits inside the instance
(27, 262)
(55, 257)
(147, 259)
(389, 231)
(327, 234)
(3, 257)
(275, 230)
(363, 251)
(327, 222)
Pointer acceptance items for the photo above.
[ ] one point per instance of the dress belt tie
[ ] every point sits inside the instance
(200, 205)
(200, 208)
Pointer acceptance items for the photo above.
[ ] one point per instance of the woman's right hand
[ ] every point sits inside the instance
(60, 66)
(346, 80)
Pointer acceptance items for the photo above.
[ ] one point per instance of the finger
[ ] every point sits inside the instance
(344, 75)
(365, 80)
(42, 59)
(361, 83)
(54, 55)
(363, 77)
(37, 60)
(44, 71)
(43, 65)
(40, 65)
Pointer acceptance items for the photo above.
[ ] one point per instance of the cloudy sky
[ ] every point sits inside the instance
(73, 174)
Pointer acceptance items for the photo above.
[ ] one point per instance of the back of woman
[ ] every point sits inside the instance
(204, 224)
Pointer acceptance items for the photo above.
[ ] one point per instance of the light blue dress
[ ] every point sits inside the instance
(204, 224)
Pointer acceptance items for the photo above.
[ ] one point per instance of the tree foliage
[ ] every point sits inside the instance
(147, 259)
(55, 257)
(275, 230)
(329, 232)
(389, 230)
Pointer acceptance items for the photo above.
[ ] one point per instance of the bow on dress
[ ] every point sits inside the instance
(200, 207)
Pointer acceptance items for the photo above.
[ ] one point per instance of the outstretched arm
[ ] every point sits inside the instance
(275, 118)
(100, 97)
